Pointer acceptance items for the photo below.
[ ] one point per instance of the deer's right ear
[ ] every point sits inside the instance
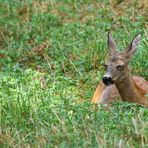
(131, 49)
(111, 44)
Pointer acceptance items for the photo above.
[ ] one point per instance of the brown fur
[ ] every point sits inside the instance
(126, 87)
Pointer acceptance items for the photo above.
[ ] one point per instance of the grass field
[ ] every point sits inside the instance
(51, 57)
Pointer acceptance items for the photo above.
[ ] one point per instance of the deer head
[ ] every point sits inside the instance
(117, 65)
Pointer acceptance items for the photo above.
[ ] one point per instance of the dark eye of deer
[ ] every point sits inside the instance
(120, 67)
(105, 66)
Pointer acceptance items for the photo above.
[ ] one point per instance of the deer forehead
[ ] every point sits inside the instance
(116, 62)
(118, 58)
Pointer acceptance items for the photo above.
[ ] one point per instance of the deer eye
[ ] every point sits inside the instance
(120, 67)
(105, 66)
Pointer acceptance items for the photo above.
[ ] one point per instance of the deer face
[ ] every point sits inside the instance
(117, 65)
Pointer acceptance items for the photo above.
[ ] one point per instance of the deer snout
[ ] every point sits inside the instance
(107, 80)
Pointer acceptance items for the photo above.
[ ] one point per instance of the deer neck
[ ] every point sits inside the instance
(128, 91)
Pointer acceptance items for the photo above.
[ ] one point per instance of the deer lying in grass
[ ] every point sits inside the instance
(118, 82)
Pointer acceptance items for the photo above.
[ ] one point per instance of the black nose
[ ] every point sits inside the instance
(107, 80)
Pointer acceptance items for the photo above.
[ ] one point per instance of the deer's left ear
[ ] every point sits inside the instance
(133, 46)
(111, 44)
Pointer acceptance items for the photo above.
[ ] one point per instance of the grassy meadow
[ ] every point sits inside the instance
(51, 57)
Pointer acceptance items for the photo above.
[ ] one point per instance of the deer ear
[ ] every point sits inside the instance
(133, 46)
(111, 44)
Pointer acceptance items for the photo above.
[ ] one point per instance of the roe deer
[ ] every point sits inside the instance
(118, 83)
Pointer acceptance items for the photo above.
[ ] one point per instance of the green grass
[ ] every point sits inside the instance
(51, 57)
